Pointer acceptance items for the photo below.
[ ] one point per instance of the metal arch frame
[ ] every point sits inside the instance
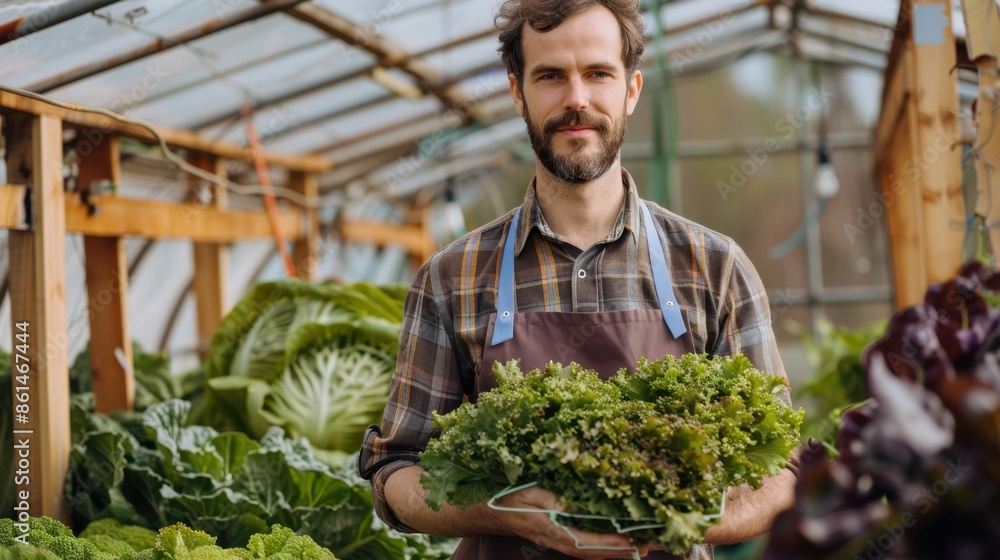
(378, 131)
(48, 16)
(370, 163)
(199, 32)
(375, 101)
(333, 82)
(397, 140)
(380, 157)
(411, 140)
(388, 53)
(342, 176)
(167, 92)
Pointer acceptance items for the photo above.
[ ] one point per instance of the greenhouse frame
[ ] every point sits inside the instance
(140, 140)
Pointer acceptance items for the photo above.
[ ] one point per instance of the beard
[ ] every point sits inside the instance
(577, 166)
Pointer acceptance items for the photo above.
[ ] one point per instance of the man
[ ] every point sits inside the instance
(583, 254)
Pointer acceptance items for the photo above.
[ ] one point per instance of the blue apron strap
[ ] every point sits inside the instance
(661, 278)
(503, 327)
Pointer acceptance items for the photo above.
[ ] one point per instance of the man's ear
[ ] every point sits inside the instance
(515, 93)
(634, 87)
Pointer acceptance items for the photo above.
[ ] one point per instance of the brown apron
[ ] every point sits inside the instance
(604, 342)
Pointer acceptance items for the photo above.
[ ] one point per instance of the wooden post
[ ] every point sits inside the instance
(904, 218)
(38, 314)
(305, 251)
(918, 155)
(211, 262)
(939, 151)
(982, 24)
(107, 290)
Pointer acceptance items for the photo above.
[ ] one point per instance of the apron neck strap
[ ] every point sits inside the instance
(661, 277)
(503, 328)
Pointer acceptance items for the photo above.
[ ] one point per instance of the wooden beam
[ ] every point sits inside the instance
(12, 209)
(38, 311)
(935, 89)
(107, 294)
(211, 263)
(904, 218)
(305, 251)
(910, 244)
(118, 217)
(94, 128)
(895, 103)
(982, 29)
(113, 216)
(896, 159)
(107, 291)
(988, 144)
(412, 238)
(919, 150)
(982, 23)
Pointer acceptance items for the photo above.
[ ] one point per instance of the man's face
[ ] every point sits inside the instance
(575, 95)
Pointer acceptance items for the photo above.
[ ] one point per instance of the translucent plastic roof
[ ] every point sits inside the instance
(321, 74)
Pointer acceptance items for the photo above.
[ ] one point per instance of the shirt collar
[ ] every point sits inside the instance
(532, 218)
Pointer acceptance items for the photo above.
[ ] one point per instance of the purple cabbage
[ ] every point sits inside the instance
(918, 475)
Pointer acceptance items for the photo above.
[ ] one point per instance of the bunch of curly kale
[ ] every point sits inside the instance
(660, 444)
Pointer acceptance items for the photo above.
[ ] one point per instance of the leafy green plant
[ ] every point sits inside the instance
(135, 537)
(9, 491)
(104, 540)
(660, 444)
(153, 381)
(225, 484)
(315, 360)
(838, 382)
(46, 536)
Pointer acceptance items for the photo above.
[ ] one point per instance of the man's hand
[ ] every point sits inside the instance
(405, 497)
(537, 528)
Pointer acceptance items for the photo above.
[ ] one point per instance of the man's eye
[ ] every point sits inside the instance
(601, 75)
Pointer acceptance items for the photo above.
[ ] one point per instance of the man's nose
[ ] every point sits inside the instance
(577, 97)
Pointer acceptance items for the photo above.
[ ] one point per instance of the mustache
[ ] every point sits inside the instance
(576, 118)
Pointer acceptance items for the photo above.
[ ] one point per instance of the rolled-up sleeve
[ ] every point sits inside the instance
(425, 381)
(745, 321)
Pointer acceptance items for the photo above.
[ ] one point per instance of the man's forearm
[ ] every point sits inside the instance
(750, 513)
(405, 497)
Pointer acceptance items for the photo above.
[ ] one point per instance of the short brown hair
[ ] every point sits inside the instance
(545, 15)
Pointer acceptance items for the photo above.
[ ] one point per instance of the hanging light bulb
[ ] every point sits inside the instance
(827, 183)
